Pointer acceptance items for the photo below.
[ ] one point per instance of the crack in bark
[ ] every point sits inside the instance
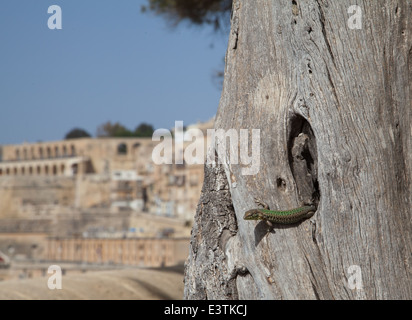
(235, 23)
(312, 278)
(325, 36)
(332, 85)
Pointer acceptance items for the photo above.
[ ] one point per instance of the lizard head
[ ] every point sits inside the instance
(252, 214)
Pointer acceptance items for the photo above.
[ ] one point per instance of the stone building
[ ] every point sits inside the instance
(68, 175)
(89, 189)
(95, 175)
(72, 157)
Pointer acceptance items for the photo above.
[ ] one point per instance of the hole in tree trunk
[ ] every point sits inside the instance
(303, 161)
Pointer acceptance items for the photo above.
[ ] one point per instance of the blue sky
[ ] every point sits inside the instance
(110, 62)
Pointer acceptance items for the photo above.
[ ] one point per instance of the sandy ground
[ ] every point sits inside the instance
(127, 284)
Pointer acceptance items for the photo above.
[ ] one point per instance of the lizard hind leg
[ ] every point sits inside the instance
(310, 214)
(270, 226)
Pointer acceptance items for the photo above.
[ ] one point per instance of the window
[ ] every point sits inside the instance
(180, 180)
(122, 148)
(194, 180)
(73, 150)
(56, 151)
(17, 154)
(41, 153)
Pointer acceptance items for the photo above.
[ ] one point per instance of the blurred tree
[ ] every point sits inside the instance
(77, 133)
(118, 130)
(197, 12)
(144, 130)
(217, 75)
(113, 130)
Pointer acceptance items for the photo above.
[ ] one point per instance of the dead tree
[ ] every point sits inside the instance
(328, 86)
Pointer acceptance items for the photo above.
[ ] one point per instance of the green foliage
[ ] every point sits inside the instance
(197, 12)
(113, 130)
(144, 130)
(118, 130)
(77, 133)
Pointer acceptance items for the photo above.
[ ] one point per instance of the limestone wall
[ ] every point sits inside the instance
(35, 197)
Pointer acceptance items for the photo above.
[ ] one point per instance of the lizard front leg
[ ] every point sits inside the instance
(265, 206)
(259, 202)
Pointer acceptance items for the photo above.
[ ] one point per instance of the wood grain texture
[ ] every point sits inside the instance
(289, 59)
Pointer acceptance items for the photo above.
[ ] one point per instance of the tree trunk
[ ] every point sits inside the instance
(333, 105)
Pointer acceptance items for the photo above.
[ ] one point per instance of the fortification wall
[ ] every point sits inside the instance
(36, 197)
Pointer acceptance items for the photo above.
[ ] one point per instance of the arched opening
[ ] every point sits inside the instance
(49, 155)
(41, 153)
(56, 152)
(7, 171)
(38, 170)
(122, 148)
(1, 172)
(54, 170)
(32, 153)
(62, 168)
(30, 170)
(136, 148)
(46, 170)
(23, 170)
(15, 171)
(73, 150)
(64, 151)
(17, 154)
(75, 168)
(25, 154)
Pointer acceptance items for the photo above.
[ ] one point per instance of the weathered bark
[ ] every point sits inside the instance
(334, 109)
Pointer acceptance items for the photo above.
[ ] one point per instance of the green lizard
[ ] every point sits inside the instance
(282, 217)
